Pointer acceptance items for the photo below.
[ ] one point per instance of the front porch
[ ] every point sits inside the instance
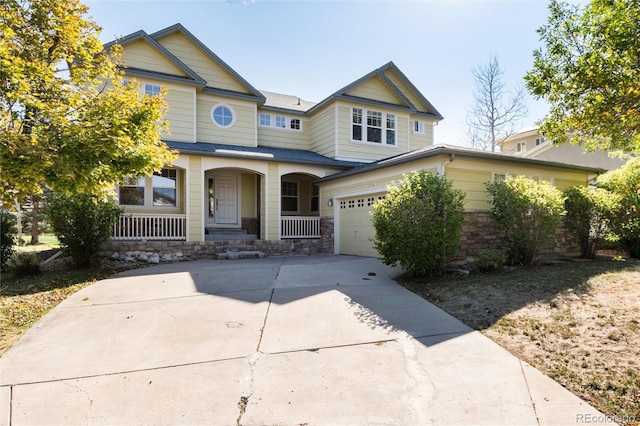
(211, 249)
(173, 228)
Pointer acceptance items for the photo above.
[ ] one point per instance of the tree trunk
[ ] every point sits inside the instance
(35, 216)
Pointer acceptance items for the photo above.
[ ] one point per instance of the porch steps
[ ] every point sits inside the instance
(228, 234)
(231, 255)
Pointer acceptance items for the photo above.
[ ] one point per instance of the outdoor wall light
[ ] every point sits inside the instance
(330, 202)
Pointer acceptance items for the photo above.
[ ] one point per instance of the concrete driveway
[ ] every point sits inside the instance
(326, 340)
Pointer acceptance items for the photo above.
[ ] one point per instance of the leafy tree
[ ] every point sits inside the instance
(66, 119)
(495, 112)
(82, 224)
(7, 236)
(528, 212)
(589, 214)
(418, 224)
(625, 182)
(588, 72)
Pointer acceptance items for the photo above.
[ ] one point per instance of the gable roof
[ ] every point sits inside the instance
(193, 77)
(405, 103)
(452, 152)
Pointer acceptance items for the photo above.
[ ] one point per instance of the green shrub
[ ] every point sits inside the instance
(82, 224)
(7, 236)
(25, 263)
(625, 182)
(490, 259)
(589, 214)
(418, 223)
(528, 212)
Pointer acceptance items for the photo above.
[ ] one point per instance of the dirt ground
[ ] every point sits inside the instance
(577, 321)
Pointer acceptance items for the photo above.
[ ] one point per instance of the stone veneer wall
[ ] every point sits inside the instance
(479, 233)
(208, 249)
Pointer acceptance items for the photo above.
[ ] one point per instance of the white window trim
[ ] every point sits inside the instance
(233, 115)
(383, 129)
(148, 195)
(152, 87)
(287, 122)
(521, 146)
(421, 127)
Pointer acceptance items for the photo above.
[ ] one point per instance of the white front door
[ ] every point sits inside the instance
(225, 200)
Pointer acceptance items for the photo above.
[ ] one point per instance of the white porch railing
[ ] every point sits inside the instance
(150, 227)
(300, 227)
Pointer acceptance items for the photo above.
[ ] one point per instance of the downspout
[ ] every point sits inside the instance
(442, 167)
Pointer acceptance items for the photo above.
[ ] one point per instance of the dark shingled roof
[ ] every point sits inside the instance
(259, 153)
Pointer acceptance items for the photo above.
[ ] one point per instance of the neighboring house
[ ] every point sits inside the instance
(528, 142)
(264, 171)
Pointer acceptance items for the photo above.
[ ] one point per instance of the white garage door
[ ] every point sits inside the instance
(356, 231)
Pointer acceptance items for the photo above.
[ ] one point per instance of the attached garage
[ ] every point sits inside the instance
(347, 197)
(355, 230)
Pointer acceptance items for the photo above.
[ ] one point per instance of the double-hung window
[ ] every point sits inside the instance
(132, 191)
(289, 197)
(164, 188)
(158, 190)
(418, 127)
(378, 127)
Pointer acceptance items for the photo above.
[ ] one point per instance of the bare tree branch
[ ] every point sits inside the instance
(495, 112)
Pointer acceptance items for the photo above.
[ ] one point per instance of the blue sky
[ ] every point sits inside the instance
(311, 49)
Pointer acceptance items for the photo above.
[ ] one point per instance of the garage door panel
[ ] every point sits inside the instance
(356, 229)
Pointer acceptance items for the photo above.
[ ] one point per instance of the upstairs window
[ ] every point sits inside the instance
(540, 140)
(380, 127)
(280, 122)
(151, 89)
(521, 146)
(418, 127)
(223, 115)
(265, 120)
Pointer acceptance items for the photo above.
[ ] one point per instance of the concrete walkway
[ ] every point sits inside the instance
(320, 340)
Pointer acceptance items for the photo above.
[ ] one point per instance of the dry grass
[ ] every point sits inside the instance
(577, 321)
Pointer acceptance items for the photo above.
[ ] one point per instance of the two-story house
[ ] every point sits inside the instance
(529, 142)
(264, 171)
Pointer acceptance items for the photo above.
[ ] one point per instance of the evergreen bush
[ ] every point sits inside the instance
(418, 223)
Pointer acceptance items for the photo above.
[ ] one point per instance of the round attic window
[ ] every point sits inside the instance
(223, 115)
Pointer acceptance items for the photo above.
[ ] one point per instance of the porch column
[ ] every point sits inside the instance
(195, 206)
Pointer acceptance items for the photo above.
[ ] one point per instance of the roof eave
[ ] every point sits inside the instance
(446, 150)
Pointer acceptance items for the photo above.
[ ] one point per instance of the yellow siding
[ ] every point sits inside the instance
(473, 183)
(248, 190)
(375, 89)
(243, 131)
(323, 131)
(563, 184)
(141, 55)
(406, 91)
(417, 140)
(370, 151)
(180, 115)
(195, 180)
(284, 138)
(273, 207)
(198, 61)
